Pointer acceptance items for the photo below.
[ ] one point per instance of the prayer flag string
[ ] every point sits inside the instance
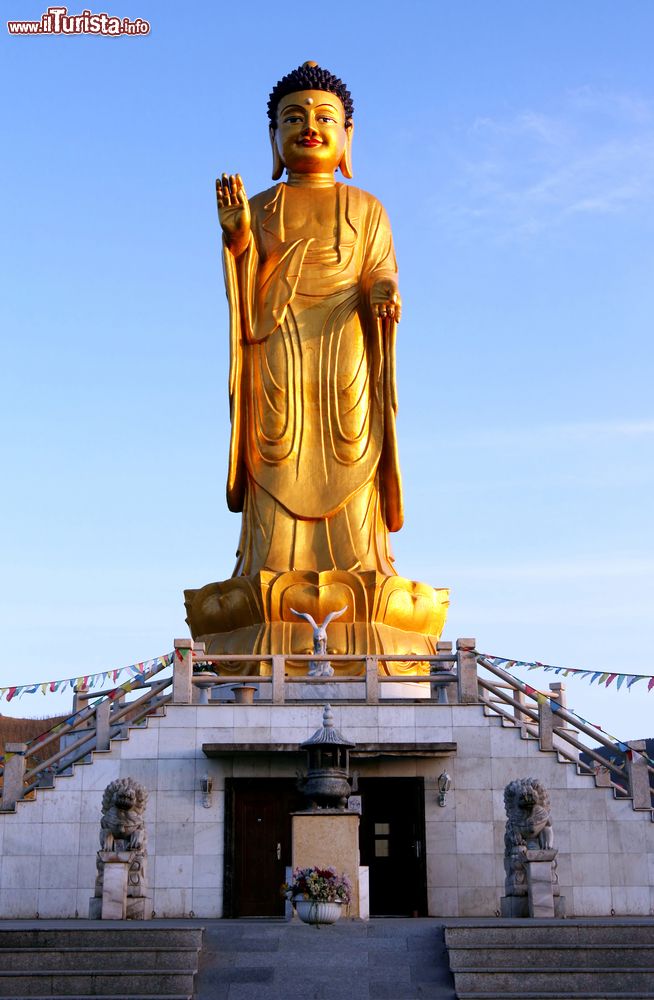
(87, 682)
(604, 678)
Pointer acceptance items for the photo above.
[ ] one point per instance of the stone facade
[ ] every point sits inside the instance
(48, 846)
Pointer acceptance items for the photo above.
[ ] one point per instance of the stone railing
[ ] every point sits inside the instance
(545, 717)
(90, 727)
(449, 676)
(269, 673)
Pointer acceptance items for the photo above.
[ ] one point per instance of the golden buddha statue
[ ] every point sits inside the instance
(311, 280)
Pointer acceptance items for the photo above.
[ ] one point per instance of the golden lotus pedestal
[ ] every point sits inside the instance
(385, 614)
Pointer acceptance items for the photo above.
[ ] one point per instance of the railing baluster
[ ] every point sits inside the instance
(183, 672)
(439, 691)
(372, 680)
(278, 678)
(102, 726)
(14, 776)
(638, 773)
(519, 715)
(466, 659)
(545, 725)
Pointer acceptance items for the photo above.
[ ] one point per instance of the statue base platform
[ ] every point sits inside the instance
(329, 838)
(122, 895)
(535, 885)
(385, 614)
(518, 906)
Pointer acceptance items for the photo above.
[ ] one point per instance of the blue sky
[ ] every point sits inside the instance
(512, 144)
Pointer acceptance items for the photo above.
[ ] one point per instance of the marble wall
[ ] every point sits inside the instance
(606, 849)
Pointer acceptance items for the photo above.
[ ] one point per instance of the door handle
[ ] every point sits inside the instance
(418, 847)
(279, 852)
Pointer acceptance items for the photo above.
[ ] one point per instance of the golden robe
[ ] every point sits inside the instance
(313, 459)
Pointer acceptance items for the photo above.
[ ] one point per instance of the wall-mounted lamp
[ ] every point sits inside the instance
(206, 787)
(444, 785)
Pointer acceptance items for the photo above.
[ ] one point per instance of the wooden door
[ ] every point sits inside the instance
(392, 845)
(258, 848)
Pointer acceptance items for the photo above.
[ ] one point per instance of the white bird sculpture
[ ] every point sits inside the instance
(320, 668)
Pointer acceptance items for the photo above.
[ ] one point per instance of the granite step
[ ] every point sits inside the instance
(580, 932)
(389, 959)
(123, 983)
(96, 959)
(92, 959)
(108, 935)
(566, 981)
(535, 960)
(548, 956)
(595, 994)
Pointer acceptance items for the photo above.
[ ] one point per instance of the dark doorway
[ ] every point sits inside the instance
(392, 845)
(258, 844)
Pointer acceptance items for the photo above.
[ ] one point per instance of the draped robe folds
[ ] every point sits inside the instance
(313, 460)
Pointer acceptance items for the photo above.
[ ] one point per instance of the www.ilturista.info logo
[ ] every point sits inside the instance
(57, 21)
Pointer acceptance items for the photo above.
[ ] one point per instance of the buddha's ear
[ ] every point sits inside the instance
(345, 166)
(278, 163)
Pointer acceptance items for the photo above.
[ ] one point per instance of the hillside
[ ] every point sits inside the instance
(23, 730)
(616, 758)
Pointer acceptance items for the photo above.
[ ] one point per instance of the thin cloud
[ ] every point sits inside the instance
(583, 432)
(538, 170)
(605, 567)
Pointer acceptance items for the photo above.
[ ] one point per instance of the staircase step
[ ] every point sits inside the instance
(613, 932)
(98, 959)
(117, 983)
(546, 956)
(557, 995)
(394, 959)
(565, 981)
(100, 938)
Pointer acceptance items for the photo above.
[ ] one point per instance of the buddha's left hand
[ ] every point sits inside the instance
(385, 299)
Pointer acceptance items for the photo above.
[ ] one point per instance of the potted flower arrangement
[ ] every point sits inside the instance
(318, 894)
(204, 678)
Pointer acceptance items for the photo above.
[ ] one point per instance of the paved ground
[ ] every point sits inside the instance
(390, 959)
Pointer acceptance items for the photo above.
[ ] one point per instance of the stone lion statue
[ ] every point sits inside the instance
(528, 823)
(122, 827)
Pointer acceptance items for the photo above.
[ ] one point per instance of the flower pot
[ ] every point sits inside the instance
(311, 912)
(244, 694)
(204, 680)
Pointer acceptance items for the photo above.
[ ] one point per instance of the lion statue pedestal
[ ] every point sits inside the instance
(532, 884)
(120, 884)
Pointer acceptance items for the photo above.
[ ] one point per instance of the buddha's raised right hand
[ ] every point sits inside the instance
(233, 212)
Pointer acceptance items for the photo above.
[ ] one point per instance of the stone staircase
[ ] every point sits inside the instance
(380, 959)
(627, 774)
(595, 959)
(84, 960)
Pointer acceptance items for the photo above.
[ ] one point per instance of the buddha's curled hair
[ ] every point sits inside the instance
(310, 76)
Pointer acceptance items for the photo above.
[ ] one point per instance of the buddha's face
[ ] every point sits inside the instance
(310, 135)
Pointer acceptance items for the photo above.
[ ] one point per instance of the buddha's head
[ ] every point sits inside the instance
(310, 112)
